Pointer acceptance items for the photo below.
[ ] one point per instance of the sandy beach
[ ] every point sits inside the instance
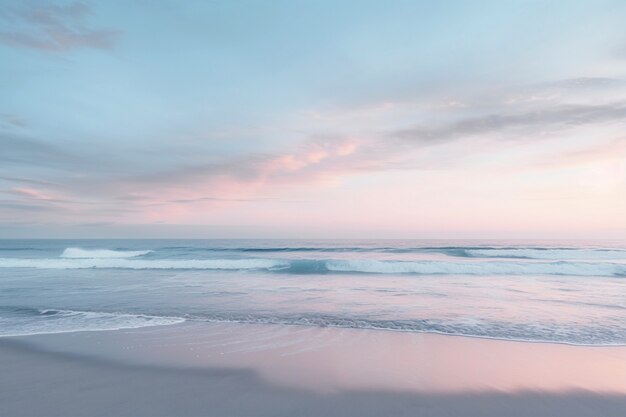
(224, 369)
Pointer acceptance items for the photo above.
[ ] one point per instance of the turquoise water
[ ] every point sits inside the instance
(565, 292)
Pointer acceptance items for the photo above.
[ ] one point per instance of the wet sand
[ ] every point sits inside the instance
(204, 369)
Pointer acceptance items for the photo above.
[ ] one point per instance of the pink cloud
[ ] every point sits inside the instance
(33, 194)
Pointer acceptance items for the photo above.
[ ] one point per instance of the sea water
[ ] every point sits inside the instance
(546, 291)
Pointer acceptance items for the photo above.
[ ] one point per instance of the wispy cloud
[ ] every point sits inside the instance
(318, 161)
(18, 149)
(96, 183)
(543, 120)
(17, 206)
(53, 28)
(27, 181)
(11, 120)
(212, 199)
(583, 83)
(614, 149)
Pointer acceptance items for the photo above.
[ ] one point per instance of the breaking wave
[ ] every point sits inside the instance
(478, 268)
(547, 253)
(121, 263)
(317, 266)
(22, 321)
(78, 253)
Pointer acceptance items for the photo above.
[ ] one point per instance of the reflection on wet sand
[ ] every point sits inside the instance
(332, 360)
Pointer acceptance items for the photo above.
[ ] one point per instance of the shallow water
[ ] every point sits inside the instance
(565, 292)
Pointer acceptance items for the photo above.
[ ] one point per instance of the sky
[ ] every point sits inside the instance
(311, 119)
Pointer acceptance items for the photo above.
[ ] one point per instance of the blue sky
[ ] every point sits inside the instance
(316, 118)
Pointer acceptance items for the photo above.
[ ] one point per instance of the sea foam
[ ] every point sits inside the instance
(478, 268)
(121, 263)
(17, 321)
(320, 266)
(78, 253)
(548, 253)
(473, 327)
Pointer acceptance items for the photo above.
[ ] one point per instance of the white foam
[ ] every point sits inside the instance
(477, 268)
(78, 253)
(550, 254)
(83, 263)
(68, 321)
(355, 266)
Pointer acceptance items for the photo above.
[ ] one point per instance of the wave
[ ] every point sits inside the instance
(365, 266)
(79, 253)
(471, 327)
(547, 253)
(515, 252)
(23, 321)
(478, 268)
(121, 263)
(556, 253)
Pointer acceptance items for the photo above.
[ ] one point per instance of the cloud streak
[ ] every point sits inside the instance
(551, 119)
(54, 28)
(141, 185)
(23, 151)
(74, 181)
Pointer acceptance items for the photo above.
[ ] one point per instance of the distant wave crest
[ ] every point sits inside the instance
(478, 268)
(121, 263)
(547, 253)
(313, 266)
(542, 253)
(79, 253)
(539, 253)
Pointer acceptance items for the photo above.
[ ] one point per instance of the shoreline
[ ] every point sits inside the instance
(218, 369)
(373, 329)
(177, 320)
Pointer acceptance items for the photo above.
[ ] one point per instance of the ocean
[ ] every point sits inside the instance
(571, 292)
